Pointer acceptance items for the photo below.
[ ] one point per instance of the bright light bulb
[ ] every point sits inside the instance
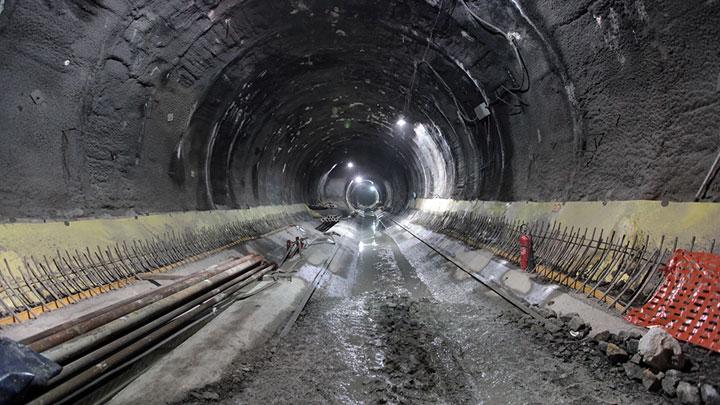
(358, 179)
(401, 122)
(350, 165)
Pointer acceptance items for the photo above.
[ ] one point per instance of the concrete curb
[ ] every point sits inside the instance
(522, 285)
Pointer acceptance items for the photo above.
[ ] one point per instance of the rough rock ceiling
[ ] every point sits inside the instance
(114, 106)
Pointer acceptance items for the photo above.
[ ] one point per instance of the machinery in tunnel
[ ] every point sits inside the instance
(378, 157)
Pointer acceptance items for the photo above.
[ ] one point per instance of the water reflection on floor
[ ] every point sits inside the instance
(384, 330)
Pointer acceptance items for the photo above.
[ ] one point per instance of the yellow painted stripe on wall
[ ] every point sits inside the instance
(18, 240)
(635, 217)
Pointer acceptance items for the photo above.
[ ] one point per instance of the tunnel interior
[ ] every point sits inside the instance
(158, 106)
(402, 157)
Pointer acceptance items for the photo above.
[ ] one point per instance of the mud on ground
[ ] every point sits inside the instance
(417, 334)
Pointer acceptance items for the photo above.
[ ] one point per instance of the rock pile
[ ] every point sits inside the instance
(655, 360)
(660, 350)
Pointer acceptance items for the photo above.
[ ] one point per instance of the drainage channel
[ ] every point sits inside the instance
(502, 294)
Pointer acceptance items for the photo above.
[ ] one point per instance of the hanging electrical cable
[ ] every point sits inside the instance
(492, 29)
(460, 110)
(523, 87)
(411, 87)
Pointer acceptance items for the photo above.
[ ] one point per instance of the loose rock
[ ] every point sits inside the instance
(633, 371)
(688, 393)
(547, 312)
(632, 345)
(670, 382)
(602, 346)
(615, 354)
(602, 336)
(659, 350)
(632, 334)
(650, 380)
(576, 323)
(709, 395)
(567, 317)
(553, 325)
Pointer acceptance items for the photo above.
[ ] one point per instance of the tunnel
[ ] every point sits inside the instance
(403, 201)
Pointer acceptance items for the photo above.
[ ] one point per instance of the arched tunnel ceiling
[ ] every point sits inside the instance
(319, 88)
(117, 106)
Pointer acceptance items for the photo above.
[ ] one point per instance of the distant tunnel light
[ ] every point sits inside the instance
(372, 188)
(401, 122)
(358, 179)
(350, 165)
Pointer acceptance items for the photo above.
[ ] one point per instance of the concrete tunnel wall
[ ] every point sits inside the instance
(116, 108)
(693, 224)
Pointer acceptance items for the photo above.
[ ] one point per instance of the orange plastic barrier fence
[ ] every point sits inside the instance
(687, 304)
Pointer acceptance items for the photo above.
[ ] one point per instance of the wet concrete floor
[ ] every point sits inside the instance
(397, 329)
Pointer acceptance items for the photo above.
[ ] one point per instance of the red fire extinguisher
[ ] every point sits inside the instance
(526, 253)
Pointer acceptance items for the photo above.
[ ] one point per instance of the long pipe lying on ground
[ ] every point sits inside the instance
(95, 333)
(81, 380)
(76, 366)
(66, 331)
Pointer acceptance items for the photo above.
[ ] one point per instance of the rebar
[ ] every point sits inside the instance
(612, 268)
(44, 283)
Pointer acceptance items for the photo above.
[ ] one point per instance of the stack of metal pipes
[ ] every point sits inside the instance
(93, 346)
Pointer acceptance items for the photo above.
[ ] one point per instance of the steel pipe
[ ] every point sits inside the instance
(76, 383)
(88, 339)
(66, 331)
(105, 350)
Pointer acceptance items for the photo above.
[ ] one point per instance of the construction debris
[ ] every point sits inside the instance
(655, 360)
(670, 382)
(660, 350)
(688, 393)
(615, 354)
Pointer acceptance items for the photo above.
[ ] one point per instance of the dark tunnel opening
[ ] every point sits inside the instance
(364, 194)
(257, 134)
